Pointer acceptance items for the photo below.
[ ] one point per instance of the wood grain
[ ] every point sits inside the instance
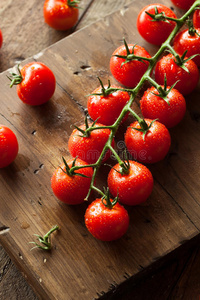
(83, 269)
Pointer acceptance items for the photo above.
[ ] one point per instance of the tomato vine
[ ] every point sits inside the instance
(133, 93)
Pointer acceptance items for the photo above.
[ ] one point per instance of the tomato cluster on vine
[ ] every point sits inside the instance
(171, 76)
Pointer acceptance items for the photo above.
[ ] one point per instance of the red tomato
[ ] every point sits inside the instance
(35, 83)
(153, 31)
(107, 108)
(196, 18)
(104, 223)
(183, 4)
(151, 148)
(1, 38)
(168, 113)
(61, 14)
(184, 41)
(89, 148)
(71, 189)
(168, 67)
(8, 146)
(132, 188)
(129, 73)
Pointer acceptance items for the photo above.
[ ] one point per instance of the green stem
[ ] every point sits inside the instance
(146, 77)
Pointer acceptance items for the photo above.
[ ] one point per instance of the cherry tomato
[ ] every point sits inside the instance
(184, 41)
(169, 112)
(183, 4)
(35, 83)
(155, 31)
(107, 108)
(150, 148)
(1, 38)
(187, 80)
(129, 73)
(71, 188)
(196, 18)
(8, 146)
(61, 14)
(133, 187)
(104, 223)
(89, 148)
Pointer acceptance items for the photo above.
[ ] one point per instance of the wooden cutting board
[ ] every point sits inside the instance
(79, 266)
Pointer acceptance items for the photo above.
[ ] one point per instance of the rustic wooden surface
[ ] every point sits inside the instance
(181, 210)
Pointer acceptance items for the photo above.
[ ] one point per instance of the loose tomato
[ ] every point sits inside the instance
(155, 30)
(89, 147)
(196, 18)
(190, 42)
(8, 146)
(167, 67)
(133, 186)
(71, 188)
(35, 83)
(106, 107)
(169, 112)
(151, 147)
(126, 67)
(1, 38)
(106, 223)
(61, 14)
(183, 4)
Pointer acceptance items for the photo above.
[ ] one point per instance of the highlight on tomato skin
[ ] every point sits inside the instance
(129, 73)
(133, 187)
(155, 32)
(60, 14)
(170, 112)
(71, 188)
(151, 147)
(35, 83)
(106, 224)
(9, 146)
(107, 108)
(89, 148)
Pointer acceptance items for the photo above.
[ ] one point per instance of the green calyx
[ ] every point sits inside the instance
(71, 171)
(164, 92)
(191, 30)
(181, 60)
(73, 3)
(15, 78)
(86, 132)
(131, 56)
(144, 127)
(157, 16)
(45, 240)
(107, 201)
(105, 91)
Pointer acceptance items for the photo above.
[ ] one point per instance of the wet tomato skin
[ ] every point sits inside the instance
(59, 15)
(185, 81)
(38, 84)
(130, 73)
(8, 146)
(107, 108)
(154, 107)
(89, 148)
(132, 188)
(104, 223)
(186, 42)
(155, 32)
(151, 149)
(71, 189)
